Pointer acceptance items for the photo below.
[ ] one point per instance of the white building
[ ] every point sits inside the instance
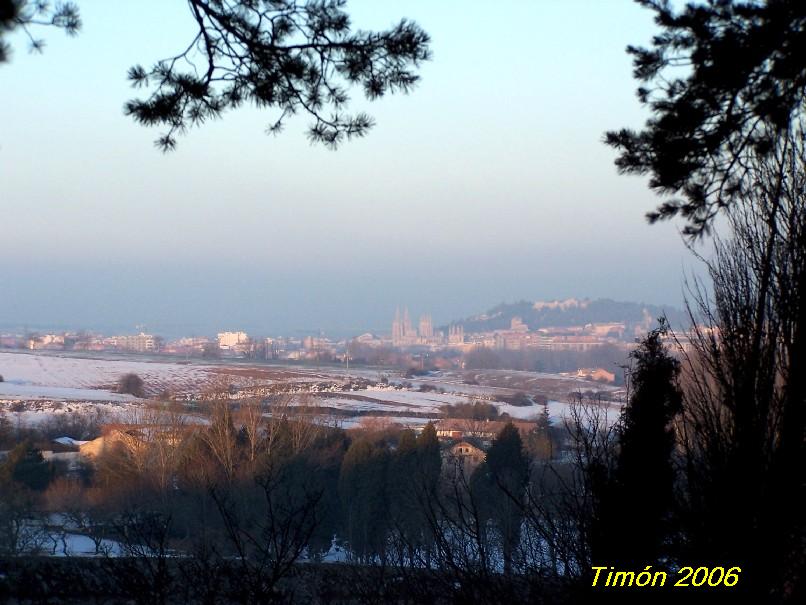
(230, 340)
(141, 343)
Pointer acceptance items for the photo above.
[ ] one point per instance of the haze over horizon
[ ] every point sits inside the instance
(452, 204)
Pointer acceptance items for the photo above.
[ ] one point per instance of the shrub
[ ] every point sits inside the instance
(131, 384)
(516, 399)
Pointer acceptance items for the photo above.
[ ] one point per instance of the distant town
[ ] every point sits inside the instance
(494, 339)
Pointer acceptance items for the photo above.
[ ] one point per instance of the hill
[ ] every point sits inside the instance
(570, 312)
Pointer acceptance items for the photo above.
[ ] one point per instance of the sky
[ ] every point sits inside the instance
(488, 183)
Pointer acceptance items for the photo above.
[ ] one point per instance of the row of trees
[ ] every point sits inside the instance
(608, 356)
(263, 493)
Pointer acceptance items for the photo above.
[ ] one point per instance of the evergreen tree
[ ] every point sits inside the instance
(402, 493)
(25, 466)
(633, 505)
(428, 473)
(325, 458)
(286, 55)
(743, 88)
(362, 487)
(27, 14)
(499, 486)
(429, 460)
(290, 56)
(539, 442)
(6, 431)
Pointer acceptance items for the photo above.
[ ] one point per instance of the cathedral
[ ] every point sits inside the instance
(405, 335)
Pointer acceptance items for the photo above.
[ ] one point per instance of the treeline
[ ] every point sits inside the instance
(607, 356)
(263, 494)
(80, 426)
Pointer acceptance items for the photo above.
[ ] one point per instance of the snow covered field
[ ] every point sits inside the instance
(51, 384)
(403, 403)
(15, 390)
(79, 378)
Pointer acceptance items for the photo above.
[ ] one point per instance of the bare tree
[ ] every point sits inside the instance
(268, 525)
(221, 438)
(146, 572)
(563, 501)
(21, 528)
(744, 424)
(251, 418)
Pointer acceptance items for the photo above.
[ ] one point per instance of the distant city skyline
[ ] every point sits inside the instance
(570, 325)
(403, 328)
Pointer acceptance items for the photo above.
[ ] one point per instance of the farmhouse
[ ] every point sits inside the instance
(462, 457)
(486, 430)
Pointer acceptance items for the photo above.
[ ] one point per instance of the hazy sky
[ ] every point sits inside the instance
(488, 183)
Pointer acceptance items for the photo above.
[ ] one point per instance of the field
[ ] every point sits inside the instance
(41, 384)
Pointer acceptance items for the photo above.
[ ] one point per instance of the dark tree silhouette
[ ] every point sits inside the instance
(429, 462)
(270, 525)
(27, 15)
(363, 491)
(25, 466)
(281, 54)
(500, 484)
(631, 521)
(744, 421)
(722, 80)
(412, 484)
(287, 55)
(482, 358)
(403, 505)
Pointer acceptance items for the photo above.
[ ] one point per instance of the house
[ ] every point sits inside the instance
(462, 457)
(135, 437)
(129, 439)
(596, 374)
(71, 460)
(486, 430)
